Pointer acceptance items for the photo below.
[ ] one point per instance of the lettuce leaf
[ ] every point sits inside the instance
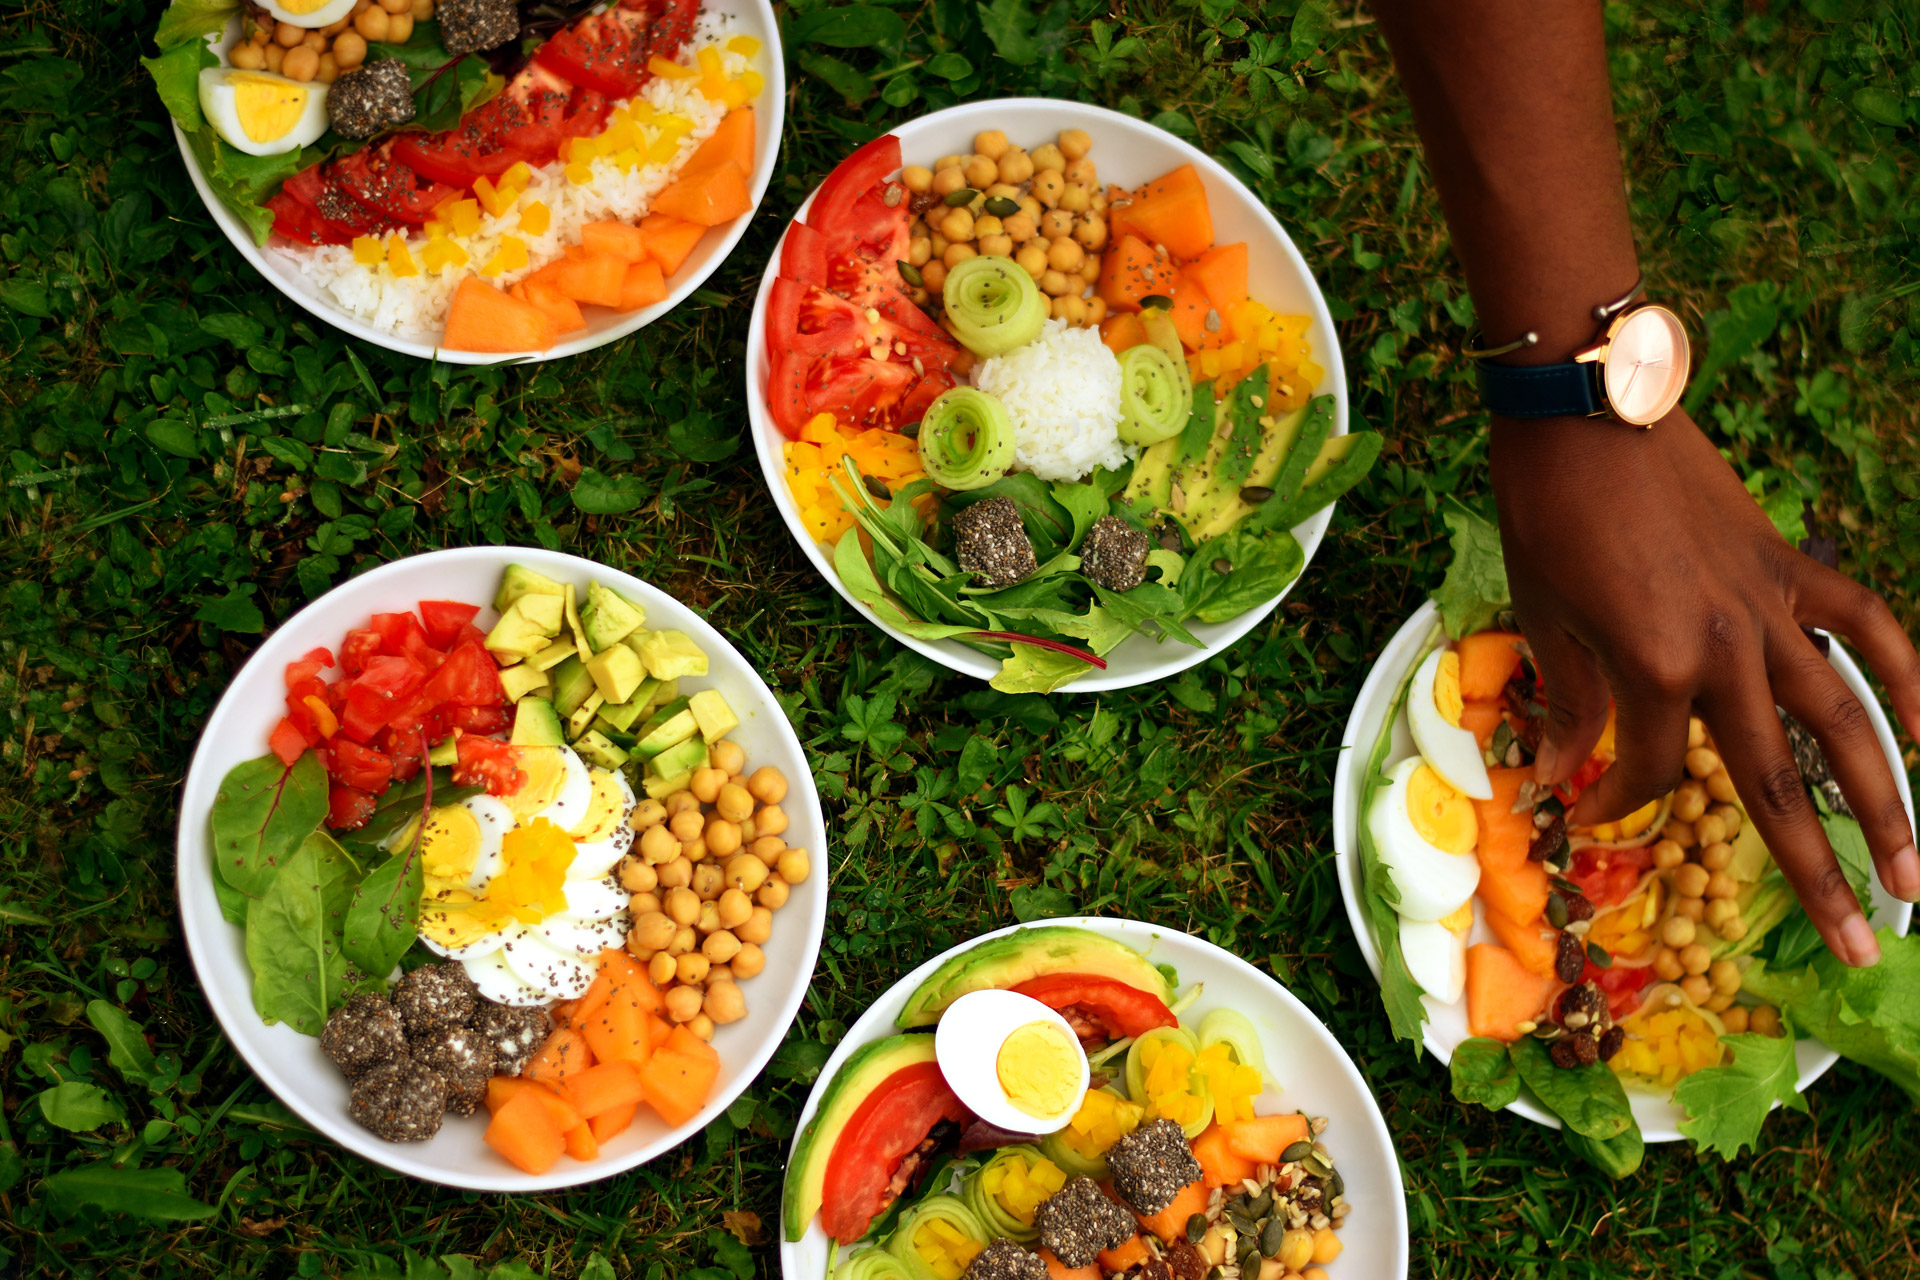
(192, 21)
(1033, 669)
(176, 75)
(1474, 591)
(1871, 1016)
(1727, 1104)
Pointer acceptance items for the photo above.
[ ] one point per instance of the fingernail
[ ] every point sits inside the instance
(1544, 761)
(1903, 875)
(1863, 949)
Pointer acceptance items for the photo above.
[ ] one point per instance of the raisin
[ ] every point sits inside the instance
(1610, 1041)
(1563, 1053)
(1549, 844)
(1579, 908)
(1570, 960)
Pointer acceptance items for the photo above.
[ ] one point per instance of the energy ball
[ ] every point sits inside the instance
(1078, 1222)
(516, 1034)
(464, 1058)
(1151, 1165)
(1005, 1260)
(363, 1033)
(1114, 554)
(400, 1101)
(372, 97)
(468, 26)
(435, 996)
(991, 543)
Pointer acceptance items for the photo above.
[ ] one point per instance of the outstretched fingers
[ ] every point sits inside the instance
(1834, 602)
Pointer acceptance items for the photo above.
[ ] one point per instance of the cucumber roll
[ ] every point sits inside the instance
(1004, 1192)
(937, 1238)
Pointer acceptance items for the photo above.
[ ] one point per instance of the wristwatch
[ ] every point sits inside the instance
(1635, 370)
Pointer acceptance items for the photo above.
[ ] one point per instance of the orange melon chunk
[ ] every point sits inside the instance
(1487, 661)
(1058, 1270)
(1481, 719)
(1502, 993)
(615, 240)
(604, 1088)
(1532, 944)
(644, 285)
(1172, 211)
(1171, 1222)
(1509, 884)
(581, 1144)
(525, 1134)
(670, 240)
(556, 306)
(1121, 330)
(709, 197)
(1263, 1138)
(482, 318)
(1123, 1257)
(564, 1054)
(1222, 272)
(608, 1124)
(732, 140)
(679, 1076)
(1220, 1164)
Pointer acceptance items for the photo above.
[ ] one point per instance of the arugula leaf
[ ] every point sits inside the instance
(1483, 1072)
(1727, 1104)
(1153, 609)
(262, 814)
(1871, 1016)
(1589, 1100)
(1381, 897)
(294, 936)
(176, 74)
(1084, 503)
(192, 21)
(1033, 669)
(1475, 588)
(850, 562)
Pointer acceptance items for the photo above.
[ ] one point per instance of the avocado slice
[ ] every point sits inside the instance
(865, 1073)
(617, 672)
(596, 748)
(1008, 961)
(608, 618)
(536, 724)
(1151, 487)
(623, 715)
(554, 654)
(661, 714)
(521, 581)
(658, 788)
(521, 679)
(583, 715)
(572, 682)
(682, 757)
(444, 752)
(665, 691)
(669, 655)
(671, 732)
(1219, 509)
(570, 611)
(525, 628)
(714, 716)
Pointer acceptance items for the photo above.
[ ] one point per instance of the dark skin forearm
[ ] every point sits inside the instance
(1644, 575)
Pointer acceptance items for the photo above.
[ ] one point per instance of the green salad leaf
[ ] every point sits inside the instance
(1797, 941)
(294, 943)
(176, 75)
(262, 814)
(1379, 895)
(1589, 1100)
(1871, 1016)
(1315, 429)
(1033, 669)
(383, 917)
(188, 21)
(1246, 405)
(1484, 1072)
(1474, 591)
(1618, 1157)
(1238, 572)
(1727, 1104)
(1201, 424)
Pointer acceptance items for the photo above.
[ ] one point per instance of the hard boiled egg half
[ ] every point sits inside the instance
(1425, 832)
(1013, 1061)
(261, 113)
(1434, 708)
(1436, 952)
(309, 13)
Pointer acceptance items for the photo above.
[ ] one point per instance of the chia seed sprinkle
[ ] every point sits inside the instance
(1151, 1165)
(362, 1034)
(991, 543)
(400, 1101)
(435, 996)
(1078, 1221)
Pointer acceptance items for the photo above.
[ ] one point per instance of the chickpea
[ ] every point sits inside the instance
(1709, 829)
(329, 69)
(757, 929)
(1736, 1019)
(1729, 814)
(1081, 173)
(708, 881)
(706, 784)
(1696, 732)
(981, 172)
(286, 35)
(768, 849)
(1016, 167)
(1096, 305)
(1056, 223)
(1004, 190)
(1075, 143)
(1326, 1245)
(749, 961)
(683, 906)
(1720, 787)
(683, 1003)
(1721, 1002)
(1681, 833)
(651, 932)
(396, 6)
(422, 10)
(1075, 199)
(918, 177)
(684, 940)
(661, 968)
(275, 56)
(919, 249)
(1048, 158)
(725, 1003)
(948, 181)
(701, 1026)
(648, 813)
(695, 849)
(1689, 800)
(987, 225)
(709, 921)
(1667, 855)
(1677, 932)
(1055, 283)
(1066, 255)
(248, 57)
(1697, 988)
(677, 874)
(1031, 207)
(658, 845)
(773, 894)
(1719, 911)
(735, 908)
(1296, 1249)
(1090, 269)
(957, 254)
(1717, 857)
(1733, 930)
(948, 162)
(1666, 965)
(1764, 1020)
(1020, 227)
(1721, 884)
(1099, 204)
(1091, 232)
(794, 866)
(1725, 976)
(746, 872)
(933, 275)
(1703, 762)
(680, 802)
(1033, 258)
(1695, 958)
(733, 803)
(990, 144)
(373, 23)
(720, 947)
(719, 973)
(769, 820)
(998, 246)
(728, 755)
(399, 28)
(1047, 186)
(686, 825)
(636, 876)
(692, 967)
(722, 837)
(1315, 1273)
(314, 40)
(957, 226)
(1072, 309)
(1694, 909)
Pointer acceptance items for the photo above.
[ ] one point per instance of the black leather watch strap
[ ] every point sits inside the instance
(1539, 391)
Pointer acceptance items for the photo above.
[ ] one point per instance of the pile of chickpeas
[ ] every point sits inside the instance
(707, 873)
(1042, 208)
(323, 53)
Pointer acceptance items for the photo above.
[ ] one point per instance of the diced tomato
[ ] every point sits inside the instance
(484, 762)
(606, 52)
(469, 678)
(310, 665)
(1608, 876)
(481, 719)
(1121, 1009)
(893, 1120)
(536, 112)
(356, 766)
(358, 649)
(378, 693)
(672, 24)
(306, 212)
(385, 187)
(444, 618)
(1623, 985)
(1583, 777)
(472, 634)
(393, 629)
(348, 808)
(287, 742)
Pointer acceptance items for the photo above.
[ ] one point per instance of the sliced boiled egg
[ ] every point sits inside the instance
(1012, 1060)
(559, 787)
(1425, 832)
(1436, 952)
(603, 837)
(1434, 708)
(261, 113)
(309, 13)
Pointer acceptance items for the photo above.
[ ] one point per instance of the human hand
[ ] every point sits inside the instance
(1641, 570)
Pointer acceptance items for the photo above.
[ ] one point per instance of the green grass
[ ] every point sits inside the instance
(156, 522)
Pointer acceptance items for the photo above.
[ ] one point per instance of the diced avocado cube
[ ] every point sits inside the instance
(521, 581)
(520, 679)
(671, 733)
(669, 691)
(661, 788)
(444, 752)
(572, 682)
(555, 654)
(613, 732)
(536, 724)
(616, 672)
(660, 715)
(523, 630)
(570, 610)
(624, 715)
(608, 618)
(669, 655)
(714, 716)
(582, 717)
(681, 758)
(595, 748)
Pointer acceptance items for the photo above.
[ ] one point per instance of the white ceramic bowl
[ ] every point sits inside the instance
(281, 266)
(291, 1064)
(1314, 1073)
(1447, 1024)
(1128, 152)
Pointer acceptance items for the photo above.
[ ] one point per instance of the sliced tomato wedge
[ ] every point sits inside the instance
(895, 1118)
(443, 620)
(360, 647)
(468, 678)
(829, 355)
(485, 763)
(606, 52)
(1119, 1009)
(536, 112)
(348, 808)
(459, 156)
(385, 187)
(287, 742)
(307, 211)
(670, 26)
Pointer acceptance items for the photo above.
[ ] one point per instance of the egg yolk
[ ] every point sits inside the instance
(605, 812)
(546, 771)
(268, 106)
(1459, 923)
(450, 844)
(530, 886)
(1447, 699)
(300, 6)
(1442, 816)
(1038, 1069)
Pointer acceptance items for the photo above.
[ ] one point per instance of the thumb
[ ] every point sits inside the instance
(1577, 700)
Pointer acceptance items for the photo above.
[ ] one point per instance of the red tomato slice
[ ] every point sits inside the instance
(829, 355)
(353, 765)
(671, 24)
(894, 1119)
(1608, 876)
(378, 693)
(385, 187)
(394, 628)
(459, 156)
(359, 648)
(444, 618)
(287, 742)
(484, 762)
(348, 808)
(308, 212)
(536, 112)
(605, 52)
(468, 678)
(481, 720)
(1123, 1010)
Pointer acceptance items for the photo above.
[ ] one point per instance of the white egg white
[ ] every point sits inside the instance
(1436, 957)
(967, 1045)
(495, 820)
(325, 14)
(560, 974)
(600, 899)
(500, 984)
(1432, 882)
(569, 806)
(219, 87)
(1451, 751)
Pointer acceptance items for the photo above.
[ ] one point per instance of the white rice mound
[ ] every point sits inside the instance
(416, 306)
(1062, 391)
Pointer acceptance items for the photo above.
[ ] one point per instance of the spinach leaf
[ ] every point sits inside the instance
(1245, 406)
(294, 936)
(1049, 526)
(1618, 1157)
(1727, 1104)
(1474, 591)
(1099, 629)
(383, 918)
(261, 815)
(851, 563)
(1483, 1072)
(404, 802)
(1083, 503)
(1258, 568)
(1201, 424)
(1589, 1100)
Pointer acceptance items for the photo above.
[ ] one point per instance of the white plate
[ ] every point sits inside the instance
(1314, 1073)
(1128, 152)
(291, 1064)
(1447, 1024)
(748, 18)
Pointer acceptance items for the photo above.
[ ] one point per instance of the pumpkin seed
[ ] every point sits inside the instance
(1314, 1165)
(1260, 1204)
(1242, 1223)
(877, 488)
(1255, 494)
(1001, 207)
(1296, 1151)
(1216, 1273)
(1556, 911)
(1565, 886)
(911, 274)
(1248, 1251)
(965, 195)
(1270, 1237)
(911, 431)
(1599, 955)
(1336, 1186)
(1157, 300)
(1196, 1227)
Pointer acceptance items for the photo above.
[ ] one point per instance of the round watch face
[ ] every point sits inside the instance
(1646, 365)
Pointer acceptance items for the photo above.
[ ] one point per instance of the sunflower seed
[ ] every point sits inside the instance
(964, 196)
(1223, 565)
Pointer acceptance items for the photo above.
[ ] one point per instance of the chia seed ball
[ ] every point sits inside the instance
(464, 1058)
(1151, 1165)
(991, 543)
(468, 26)
(1005, 1260)
(516, 1034)
(1079, 1221)
(1114, 554)
(374, 96)
(400, 1101)
(435, 996)
(363, 1033)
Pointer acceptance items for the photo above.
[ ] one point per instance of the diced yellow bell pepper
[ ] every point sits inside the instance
(442, 253)
(491, 198)
(368, 251)
(536, 218)
(745, 46)
(669, 70)
(579, 174)
(399, 261)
